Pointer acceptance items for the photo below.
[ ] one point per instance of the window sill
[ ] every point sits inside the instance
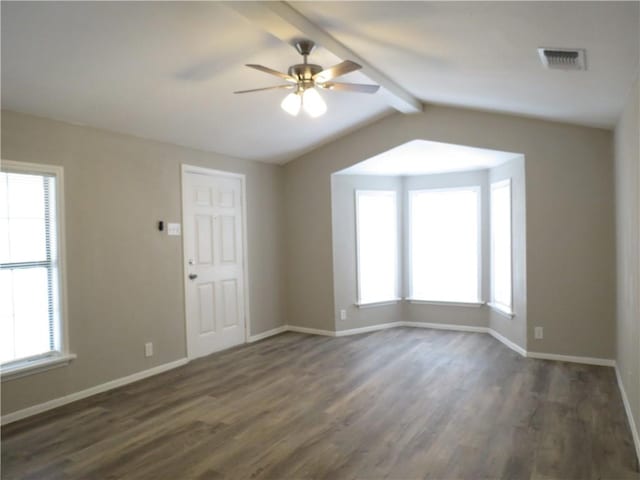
(501, 310)
(448, 304)
(36, 365)
(378, 304)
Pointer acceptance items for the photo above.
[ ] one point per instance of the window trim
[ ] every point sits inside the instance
(478, 190)
(396, 297)
(36, 364)
(61, 357)
(497, 306)
(382, 303)
(445, 303)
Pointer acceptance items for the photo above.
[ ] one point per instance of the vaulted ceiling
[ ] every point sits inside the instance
(167, 70)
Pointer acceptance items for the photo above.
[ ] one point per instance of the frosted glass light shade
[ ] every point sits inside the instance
(291, 104)
(313, 103)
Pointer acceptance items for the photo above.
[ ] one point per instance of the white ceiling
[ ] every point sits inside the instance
(422, 157)
(484, 54)
(167, 70)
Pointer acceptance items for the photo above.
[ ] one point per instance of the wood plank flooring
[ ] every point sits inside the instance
(401, 403)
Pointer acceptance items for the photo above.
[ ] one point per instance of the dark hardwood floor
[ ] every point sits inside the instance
(402, 403)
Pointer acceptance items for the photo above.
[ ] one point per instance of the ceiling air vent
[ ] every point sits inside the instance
(563, 58)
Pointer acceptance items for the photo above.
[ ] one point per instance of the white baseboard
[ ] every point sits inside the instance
(312, 331)
(267, 334)
(119, 382)
(605, 362)
(371, 328)
(446, 326)
(501, 338)
(627, 408)
(459, 328)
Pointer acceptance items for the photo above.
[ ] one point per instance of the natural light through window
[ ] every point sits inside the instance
(30, 313)
(501, 245)
(377, 245)
(444, 245)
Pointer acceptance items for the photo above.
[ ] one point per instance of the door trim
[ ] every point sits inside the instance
(185, 168)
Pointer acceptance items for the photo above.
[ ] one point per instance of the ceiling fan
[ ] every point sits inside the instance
(305, 78)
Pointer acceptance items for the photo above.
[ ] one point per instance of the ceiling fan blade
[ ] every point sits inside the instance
(275, 87)
(336, 71)
(350, 87)
(271, 71)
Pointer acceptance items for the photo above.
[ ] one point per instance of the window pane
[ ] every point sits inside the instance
(5, 256)
(7, 350)
(444, 236)
(25, 315)
(29, 304)
(501, 243)
(377, 237)
(27, 240)
(4, 198)
(23, 213)
(26, 195)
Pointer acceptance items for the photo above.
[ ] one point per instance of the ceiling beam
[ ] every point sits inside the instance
(284, 22)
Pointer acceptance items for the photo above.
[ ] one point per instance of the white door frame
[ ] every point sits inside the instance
(245, 256)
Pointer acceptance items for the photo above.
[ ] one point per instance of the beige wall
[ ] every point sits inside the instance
(570, 228)
(124, 278)
(627, 168)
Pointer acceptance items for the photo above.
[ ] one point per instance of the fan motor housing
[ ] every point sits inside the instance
(304, 71)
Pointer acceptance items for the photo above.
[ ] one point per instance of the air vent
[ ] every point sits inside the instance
(563, 58)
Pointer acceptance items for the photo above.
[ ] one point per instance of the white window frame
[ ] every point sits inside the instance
(499, 307)
(61, 357)
(395, 298)
(478, 191)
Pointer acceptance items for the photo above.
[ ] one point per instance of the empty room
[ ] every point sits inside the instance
(304, 240)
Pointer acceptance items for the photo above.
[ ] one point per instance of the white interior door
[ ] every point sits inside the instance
(214, 257)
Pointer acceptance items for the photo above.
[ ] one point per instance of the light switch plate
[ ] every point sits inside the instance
(173, 229)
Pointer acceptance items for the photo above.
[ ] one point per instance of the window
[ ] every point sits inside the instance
(377, 246)
(501, 246)
(444, 243)
(31, 310)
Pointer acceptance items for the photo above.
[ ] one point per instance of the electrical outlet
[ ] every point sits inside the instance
(148, 349)
(343, 314)
(538, 333)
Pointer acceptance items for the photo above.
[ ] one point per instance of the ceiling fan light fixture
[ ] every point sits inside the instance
(307, 78)
(313, 103)
(292, 103)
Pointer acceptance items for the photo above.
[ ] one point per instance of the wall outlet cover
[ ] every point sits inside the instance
(173, 229)
(538, 333)
(343, 314)
(148, 349)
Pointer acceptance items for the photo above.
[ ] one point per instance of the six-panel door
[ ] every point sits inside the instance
(214, 253)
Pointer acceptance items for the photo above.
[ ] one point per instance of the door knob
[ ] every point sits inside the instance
(193, 276)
